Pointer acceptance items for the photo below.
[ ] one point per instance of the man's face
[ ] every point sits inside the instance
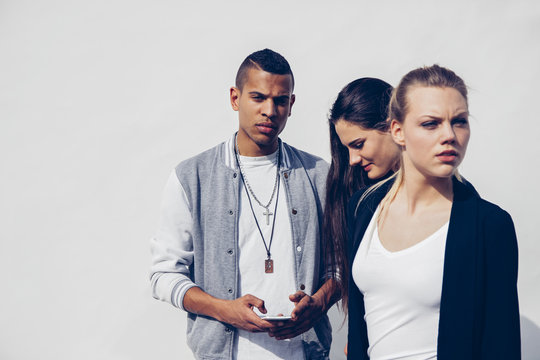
(263, 104)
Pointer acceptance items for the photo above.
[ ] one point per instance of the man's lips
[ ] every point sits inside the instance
(266, 128)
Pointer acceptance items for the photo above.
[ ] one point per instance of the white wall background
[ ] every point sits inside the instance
(100, 99)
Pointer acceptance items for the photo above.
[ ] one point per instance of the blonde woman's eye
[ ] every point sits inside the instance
(460, 121)
(429, 124)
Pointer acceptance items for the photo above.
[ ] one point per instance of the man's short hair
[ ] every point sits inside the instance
(266, 60)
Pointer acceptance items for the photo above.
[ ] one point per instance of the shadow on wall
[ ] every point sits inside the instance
(530, 339)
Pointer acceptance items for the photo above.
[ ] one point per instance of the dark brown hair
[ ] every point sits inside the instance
(363, 102)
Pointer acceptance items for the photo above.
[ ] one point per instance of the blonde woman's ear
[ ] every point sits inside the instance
(396, 130)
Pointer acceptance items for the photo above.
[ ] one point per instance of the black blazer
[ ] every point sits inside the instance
(479, 315)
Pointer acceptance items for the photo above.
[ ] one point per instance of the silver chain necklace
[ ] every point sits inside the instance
(267, 212)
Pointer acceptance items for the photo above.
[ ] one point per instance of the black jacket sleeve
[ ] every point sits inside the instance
(501, 331)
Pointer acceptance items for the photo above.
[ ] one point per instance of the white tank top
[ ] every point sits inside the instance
(402, 294)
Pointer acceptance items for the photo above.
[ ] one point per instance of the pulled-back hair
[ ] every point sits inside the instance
(426, 76)
(266, 60)
(362, 102)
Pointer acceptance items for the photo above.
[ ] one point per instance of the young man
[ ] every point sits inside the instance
(240, 233)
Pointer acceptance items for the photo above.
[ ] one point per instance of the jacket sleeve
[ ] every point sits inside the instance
(501, 331)
(172, 246)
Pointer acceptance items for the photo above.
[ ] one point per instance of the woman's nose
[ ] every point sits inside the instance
(354, 158)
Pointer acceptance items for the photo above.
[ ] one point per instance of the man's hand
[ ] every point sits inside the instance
(239, 313)
(307, 311)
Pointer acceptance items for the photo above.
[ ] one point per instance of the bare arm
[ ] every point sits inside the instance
(238, 313)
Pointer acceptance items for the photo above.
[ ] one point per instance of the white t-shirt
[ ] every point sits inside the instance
(273, 288)
(402, 294)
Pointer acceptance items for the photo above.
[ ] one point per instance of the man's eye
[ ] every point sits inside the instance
(281, 101)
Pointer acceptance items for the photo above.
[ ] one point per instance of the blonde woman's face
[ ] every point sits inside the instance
(435, 132)
(373, 150)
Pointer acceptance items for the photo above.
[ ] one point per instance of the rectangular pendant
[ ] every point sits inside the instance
(268, 266)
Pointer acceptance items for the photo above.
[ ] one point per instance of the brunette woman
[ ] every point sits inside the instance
(434, 266)
(362, 152)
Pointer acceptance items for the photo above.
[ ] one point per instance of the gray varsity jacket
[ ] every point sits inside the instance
(211, 181)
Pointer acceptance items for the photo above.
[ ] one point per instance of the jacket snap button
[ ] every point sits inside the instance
(298, 248)
(227, 330)
(285, 175)
(231, 212)
(234, 175)
(294, 211)
(229, 251)
(302, 287)
(229, 290)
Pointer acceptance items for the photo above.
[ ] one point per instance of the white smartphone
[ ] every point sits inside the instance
(276, 318)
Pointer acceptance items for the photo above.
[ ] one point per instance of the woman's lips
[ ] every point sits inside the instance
(447, 156)
(367, 167)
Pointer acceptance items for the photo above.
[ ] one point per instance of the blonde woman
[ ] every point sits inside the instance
(433, 266)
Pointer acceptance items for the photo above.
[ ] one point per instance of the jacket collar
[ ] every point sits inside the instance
(230, 161)
(363, 214)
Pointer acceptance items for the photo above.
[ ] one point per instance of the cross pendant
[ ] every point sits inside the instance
(267, 213)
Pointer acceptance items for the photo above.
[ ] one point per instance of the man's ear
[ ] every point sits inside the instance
(234, 94)
(396, 130)
(291, 103)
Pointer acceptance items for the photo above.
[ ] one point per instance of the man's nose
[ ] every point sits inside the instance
(269, 108)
